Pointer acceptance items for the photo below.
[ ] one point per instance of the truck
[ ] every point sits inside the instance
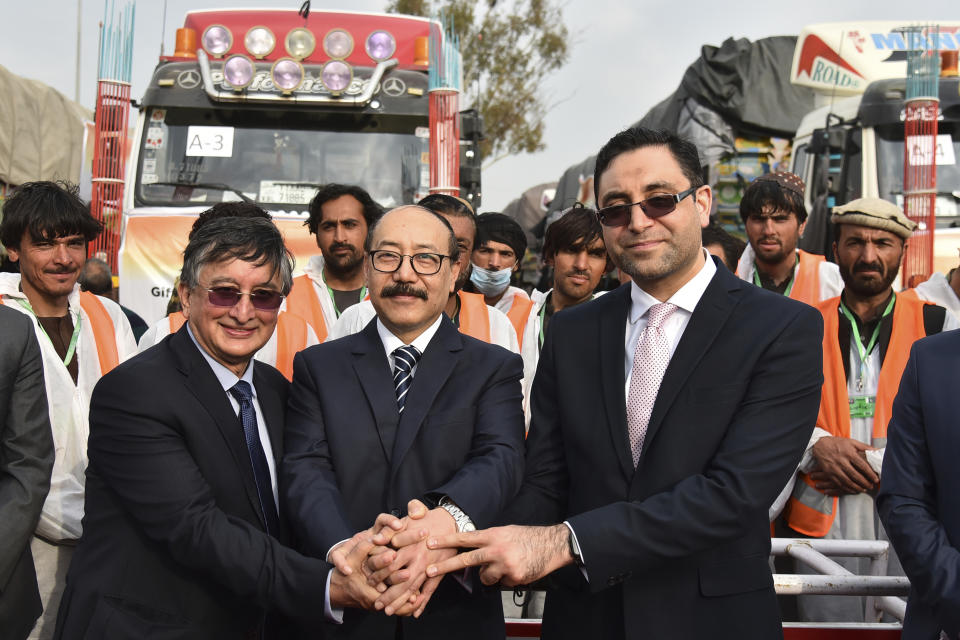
(267, 105)
(852, 144)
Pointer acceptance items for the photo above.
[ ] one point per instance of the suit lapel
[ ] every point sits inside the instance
(708, 318)
(203, 384)
(435, 366)
(373, 371)
(613, 324)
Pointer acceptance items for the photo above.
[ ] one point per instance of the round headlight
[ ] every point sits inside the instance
(238, 71)
(300, 43)
(338, 44)
(287, 74)
(259, 41)
(381, 46)
(216, 40)
(336, 76)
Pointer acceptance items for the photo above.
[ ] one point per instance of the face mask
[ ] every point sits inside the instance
(490, 283)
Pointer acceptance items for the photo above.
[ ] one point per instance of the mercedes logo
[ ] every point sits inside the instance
(394, 87)
(188, 79)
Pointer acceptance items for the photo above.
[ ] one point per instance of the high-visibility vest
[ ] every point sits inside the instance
(104, 333)
(519, 314)
(302, 299)
(291, 338)
(806, 282)
(474, 317)
(810, 511)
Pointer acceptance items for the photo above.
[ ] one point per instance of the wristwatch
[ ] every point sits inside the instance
(464, 523)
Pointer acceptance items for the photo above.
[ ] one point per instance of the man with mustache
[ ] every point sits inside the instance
(468, 311)
(408, 408)
(774, 216)
(868, 332)
(340, 216)
(46, 228)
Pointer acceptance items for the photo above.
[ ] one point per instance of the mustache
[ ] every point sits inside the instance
(868, 266)
(402, 289)
(577, 272)
(342, 245)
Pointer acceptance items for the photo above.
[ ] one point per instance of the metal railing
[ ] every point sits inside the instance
(835, 579)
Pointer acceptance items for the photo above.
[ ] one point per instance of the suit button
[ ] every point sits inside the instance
(395, 513)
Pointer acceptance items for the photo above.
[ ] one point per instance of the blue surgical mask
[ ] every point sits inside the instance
(490, 283)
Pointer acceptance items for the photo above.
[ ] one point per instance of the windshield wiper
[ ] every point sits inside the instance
(218, 186)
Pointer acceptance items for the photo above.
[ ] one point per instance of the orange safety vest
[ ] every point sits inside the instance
(474, 317)
(810, 511)
(519, 314)
(303, 300)
(806, 283)
(104, 333)
(291, 338)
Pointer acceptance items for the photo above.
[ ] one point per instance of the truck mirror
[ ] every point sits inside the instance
(471, 125)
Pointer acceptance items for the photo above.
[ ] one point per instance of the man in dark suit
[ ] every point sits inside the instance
(919, 485)
(666, 417)
(181, 534)
(26, 460)
(408, 408)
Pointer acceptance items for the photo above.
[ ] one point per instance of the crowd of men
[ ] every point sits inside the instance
(372, 449)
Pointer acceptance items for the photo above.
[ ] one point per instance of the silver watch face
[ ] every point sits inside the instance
(468, 526)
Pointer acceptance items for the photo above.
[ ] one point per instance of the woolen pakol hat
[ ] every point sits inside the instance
(876, 213)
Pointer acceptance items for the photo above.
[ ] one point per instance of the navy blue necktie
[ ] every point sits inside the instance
(404, 360)
(261, 472)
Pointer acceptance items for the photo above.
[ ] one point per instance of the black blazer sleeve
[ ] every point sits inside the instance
(135, 447)
(26, 443)
(907, 501)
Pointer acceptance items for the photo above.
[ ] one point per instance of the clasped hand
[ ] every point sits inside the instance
(384, 568)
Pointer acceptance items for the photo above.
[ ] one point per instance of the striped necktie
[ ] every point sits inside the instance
(258, 459)
(404, 360)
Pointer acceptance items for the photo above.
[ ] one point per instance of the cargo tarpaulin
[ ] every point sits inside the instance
(41, 132)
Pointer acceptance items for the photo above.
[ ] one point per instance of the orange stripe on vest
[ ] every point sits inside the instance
(806, 284)
(291, 338)
(834, 415)
(303, 301)
(177, 320)
(519, 314)
(474, 317)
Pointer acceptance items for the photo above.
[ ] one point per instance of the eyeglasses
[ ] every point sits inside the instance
(656, 207)
(263, 299)
(425, 264)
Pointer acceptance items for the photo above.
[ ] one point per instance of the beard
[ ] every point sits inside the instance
(464, 277)
(867, 279)
(345, 264)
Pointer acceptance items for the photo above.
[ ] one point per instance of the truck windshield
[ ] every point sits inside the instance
(277, 159)
(890, 149)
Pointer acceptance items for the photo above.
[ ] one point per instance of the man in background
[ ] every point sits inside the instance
(340, 216)
(96, 277)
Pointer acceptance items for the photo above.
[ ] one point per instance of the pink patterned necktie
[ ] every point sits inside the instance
(650, 361)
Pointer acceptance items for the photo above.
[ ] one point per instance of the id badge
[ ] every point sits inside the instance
(862, 406)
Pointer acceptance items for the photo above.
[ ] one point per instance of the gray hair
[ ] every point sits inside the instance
(249, 239)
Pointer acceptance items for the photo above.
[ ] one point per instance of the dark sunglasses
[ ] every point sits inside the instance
(656, 207)
(262, 299)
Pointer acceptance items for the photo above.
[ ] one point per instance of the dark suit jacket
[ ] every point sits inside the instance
(919, 485)
(174, 544)
(26, 460)
(349, 458)
(678, 547)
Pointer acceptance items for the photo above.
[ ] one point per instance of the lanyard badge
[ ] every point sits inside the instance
(864, 351)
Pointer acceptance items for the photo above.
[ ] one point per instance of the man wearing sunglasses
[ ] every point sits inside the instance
(666, 417)
(408, 408)
(182, 534)
(774, 216)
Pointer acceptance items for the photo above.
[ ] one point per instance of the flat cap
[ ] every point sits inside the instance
(876, 213)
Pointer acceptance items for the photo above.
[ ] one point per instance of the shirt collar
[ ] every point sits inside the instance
(391, 342)
(225, 377)
(685, 298)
